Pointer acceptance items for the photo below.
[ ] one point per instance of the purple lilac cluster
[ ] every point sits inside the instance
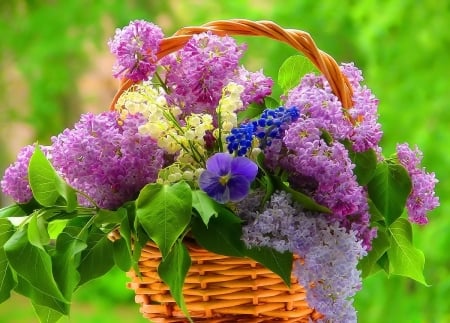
(271, 125)
(135, 47)
(359, 124)
(312, 154)
(107, 161)
(422, 198)
(197, 73)
(15, 181)
(325, 171)
(329, 253)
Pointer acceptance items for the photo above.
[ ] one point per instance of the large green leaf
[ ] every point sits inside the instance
(369, 264)
(173, 270)
(97, 259)
(278, 262)
(404, 258)
(47, 186)
(292, 70)
(33, 264)
(7, 281)
(388, 189)
(222, 236)
(40, 299)
(164, 211)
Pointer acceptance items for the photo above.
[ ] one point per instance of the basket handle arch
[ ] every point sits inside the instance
(299, 40)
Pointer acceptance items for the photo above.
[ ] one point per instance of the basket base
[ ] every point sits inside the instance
(219, 289)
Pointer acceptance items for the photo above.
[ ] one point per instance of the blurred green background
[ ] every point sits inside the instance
(54, 65)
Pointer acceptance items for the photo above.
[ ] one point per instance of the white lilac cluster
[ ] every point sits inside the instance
(328, 253)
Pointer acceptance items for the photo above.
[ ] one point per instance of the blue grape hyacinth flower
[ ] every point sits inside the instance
(227, 178)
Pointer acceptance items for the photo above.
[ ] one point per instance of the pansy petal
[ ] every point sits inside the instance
(219, 164)
(244, 167)
(210, 184)
(239, 187)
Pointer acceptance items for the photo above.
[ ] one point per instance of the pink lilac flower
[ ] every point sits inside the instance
(256, 85)
(107, 161)
(366, 133)
(227, 178)
(15, 180)
(329, 253)
(317, 101)
(135, 47)
(422, 198)
(197, 73)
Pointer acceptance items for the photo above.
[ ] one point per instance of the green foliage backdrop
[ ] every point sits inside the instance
(48, 48)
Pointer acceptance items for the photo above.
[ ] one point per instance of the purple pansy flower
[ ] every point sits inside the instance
(228, 178)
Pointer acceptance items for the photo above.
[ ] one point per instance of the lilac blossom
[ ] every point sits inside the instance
(325, 172)
(329, 253)
(256, 85)
(359, 123)
(197, 73)
(15, 181)
(227, 178)
(105, 160)
(422, 198)
(135, 47)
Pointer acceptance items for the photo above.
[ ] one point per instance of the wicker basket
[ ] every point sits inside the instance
(220, 288)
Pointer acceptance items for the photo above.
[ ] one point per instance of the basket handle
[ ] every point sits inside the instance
(300, 40)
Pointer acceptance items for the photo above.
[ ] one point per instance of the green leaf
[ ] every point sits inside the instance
(404, 258)
(122, 256)
(37, 231)
(19, 210)
(40, 299)
(292, 70)
(47, 186)
(368, 264)
(110, 217)
(173, 270)
(222, 236)
(125, 233)
(271, 103)
(97, 259)
(303, 199)
(33, 264)
(383, 263)
(277, 262)
(375, 215)
(46, 314)
(365, 165)
(204, 205)
(66, 260)
(388, 189)
(164, 211)
(252, 111)
(7, 282)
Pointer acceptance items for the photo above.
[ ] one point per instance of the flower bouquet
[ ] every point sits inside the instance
(222, 202)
